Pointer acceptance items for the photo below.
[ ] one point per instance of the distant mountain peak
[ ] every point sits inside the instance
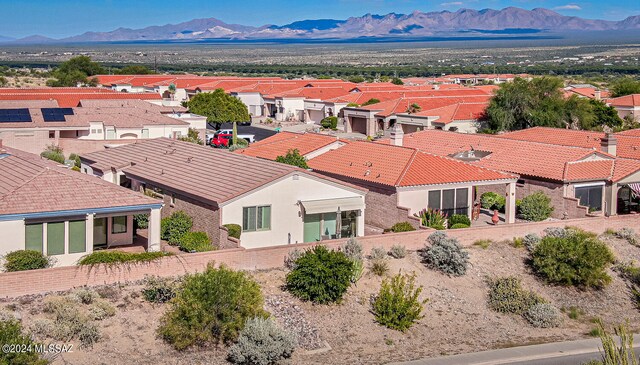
(415, 24)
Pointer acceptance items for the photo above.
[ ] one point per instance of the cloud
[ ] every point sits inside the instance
(568, 7)
(453, 3)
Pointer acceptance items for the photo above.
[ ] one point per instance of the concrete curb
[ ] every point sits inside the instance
(515, 354)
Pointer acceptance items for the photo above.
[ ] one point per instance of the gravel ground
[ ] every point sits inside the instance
(456, 318)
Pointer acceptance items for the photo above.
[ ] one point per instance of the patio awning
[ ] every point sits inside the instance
(332, 205)
(318, 108)
(635, 187)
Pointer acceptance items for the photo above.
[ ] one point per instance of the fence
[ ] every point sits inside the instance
(15, 284)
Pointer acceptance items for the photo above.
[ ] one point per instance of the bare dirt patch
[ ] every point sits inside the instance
(456, 318)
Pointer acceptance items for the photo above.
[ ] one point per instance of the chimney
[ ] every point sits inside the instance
(436, 87)
(397, 135)
(597, 94)
(609, 144)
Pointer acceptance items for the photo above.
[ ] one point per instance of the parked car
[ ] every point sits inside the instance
(221, 140)
(247, 137)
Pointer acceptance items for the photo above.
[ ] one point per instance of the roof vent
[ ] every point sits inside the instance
(367, 173)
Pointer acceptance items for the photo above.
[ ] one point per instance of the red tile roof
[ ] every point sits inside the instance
(30, 184)
(589, 170)
(456, 112)
(69, 100)
(401, 105)
(279, 144)
(632, 100)
(398, 166)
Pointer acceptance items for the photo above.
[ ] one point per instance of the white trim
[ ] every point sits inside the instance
(584, 185)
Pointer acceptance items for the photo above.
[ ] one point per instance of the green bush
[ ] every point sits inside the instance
(578, 259)
(402, 227)
(433, 218)
(321, 276)
(459, 219)
(506, 295)
(445, 254)
(11, 334)
(141, 221)
(159, 290)
(262, 342)
(235, 230)
(195, 242)
(76, 160)
(22, 260)
(329, 123)
(536, 207)
(120, 257)
(53, 156)
(397, 305)
(174, 226)
(459, 225)
(211, 308)
(492, 201)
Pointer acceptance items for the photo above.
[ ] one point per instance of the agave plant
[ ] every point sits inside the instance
(433, 218)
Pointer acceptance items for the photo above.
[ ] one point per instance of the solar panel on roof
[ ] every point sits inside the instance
(55, 114)
(15, 115)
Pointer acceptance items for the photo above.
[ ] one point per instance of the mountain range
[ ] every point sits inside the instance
(417, 24)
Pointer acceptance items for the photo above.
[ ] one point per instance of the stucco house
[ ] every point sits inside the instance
(627, 106)
(65, 214)
(274, 203)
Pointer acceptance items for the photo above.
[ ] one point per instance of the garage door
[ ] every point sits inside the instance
(359, 125)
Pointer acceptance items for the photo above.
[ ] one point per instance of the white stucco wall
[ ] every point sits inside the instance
(286, 214)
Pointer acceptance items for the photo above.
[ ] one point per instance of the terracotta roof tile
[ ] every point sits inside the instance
(279, 144)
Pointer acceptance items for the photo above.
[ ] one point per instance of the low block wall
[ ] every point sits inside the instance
(65, 278)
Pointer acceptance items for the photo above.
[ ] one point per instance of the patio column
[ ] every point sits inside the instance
(510, 205)
(154, 231)
(611, 199)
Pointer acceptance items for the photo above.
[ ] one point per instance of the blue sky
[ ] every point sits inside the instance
(60, 18)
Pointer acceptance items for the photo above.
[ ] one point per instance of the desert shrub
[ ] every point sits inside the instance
(492, 201)
(506, 295)
(292, 257)
(321, 276)
(101, 309)
(484, 244)
(536, 207)
(578, 259)
(530, 241)
(353, 249)
(41, 327)
(557, 232)
(433, 218)
(211, 308)
(379, 267)
(377, 253)
(616, 352)
(437, 237)
(459, 225)
(141, 221)
(543, 315)
(69, 321)
(120, 257)
(159, 290)
(397, 305)
(173, 227)
(22, 260)
(402, 227)
(85, 295)
(11, 333)
(6, 315)
(53, 156)
(195, 242)
(235, 230)
(398, 251)
(262, 342)
(459, 219)
(517, 242)
(329, 122)
(358, 270)
(446, 255)
(628, 234)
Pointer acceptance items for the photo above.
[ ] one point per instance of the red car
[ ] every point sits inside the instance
(221, 140)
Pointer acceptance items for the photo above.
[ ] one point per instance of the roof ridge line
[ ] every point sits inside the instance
(406, 167)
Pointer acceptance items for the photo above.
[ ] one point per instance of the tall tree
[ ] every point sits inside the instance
(135, 70)
(219, 107)
(76, 70)
(603, 115)
(625, 86)
(536, 103)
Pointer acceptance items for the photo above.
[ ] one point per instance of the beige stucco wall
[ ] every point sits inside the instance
(286, 214)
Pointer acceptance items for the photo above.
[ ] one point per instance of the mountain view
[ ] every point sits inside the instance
(416, 24)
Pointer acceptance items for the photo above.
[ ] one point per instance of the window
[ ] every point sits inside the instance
(119, 224)
(33, 237)
(462, 201)
(450, 201)
(52, 134)
(590, 196)
(434, 199)
(256, 218)
(77, 236)
(145, 133)
(55, 238)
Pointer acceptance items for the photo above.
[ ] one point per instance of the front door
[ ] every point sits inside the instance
(100, 233)
(311, 227)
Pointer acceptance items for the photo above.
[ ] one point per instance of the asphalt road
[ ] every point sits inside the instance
(260, 133)
(567, 360)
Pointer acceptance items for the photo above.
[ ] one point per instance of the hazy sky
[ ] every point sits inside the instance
(61, 18)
